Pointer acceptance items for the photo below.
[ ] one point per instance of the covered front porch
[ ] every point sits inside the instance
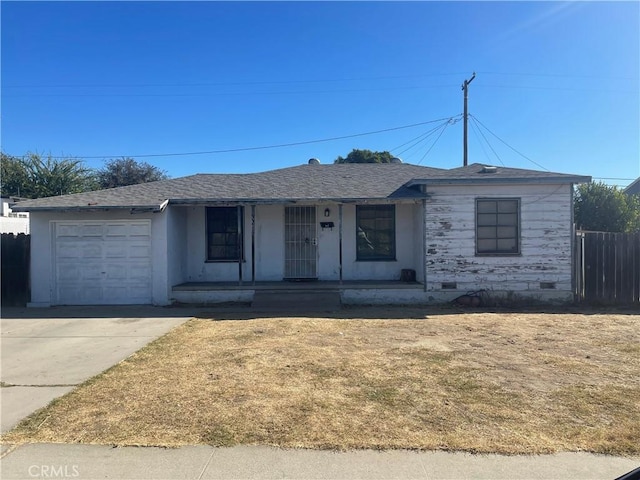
(369, 252)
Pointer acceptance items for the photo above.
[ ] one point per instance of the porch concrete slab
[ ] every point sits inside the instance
(296, 301)
(19, 402)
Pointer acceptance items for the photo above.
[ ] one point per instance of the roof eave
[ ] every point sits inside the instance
(500, 180)
(92, 208)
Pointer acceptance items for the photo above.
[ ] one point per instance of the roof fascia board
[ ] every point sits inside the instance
(93, 208)
(293, 201)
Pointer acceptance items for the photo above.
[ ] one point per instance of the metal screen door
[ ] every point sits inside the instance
(300, 243)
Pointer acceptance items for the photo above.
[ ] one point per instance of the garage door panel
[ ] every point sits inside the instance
(139, 271)
(92, 230)
(103, 262)
(117, 230)
(67, 251)
(68, 273)
(139, 230)
(68, 230)
(91, 251)
(116, 272)
(118, 250)
(139, 251)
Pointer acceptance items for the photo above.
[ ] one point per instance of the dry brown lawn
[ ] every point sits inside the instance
(373, 378)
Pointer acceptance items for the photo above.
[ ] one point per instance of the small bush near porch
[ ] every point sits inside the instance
(386, 378)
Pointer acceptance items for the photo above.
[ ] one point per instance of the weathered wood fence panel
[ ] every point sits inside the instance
(14, 273)
(607, 268)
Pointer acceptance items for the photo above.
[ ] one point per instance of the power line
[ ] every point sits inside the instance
(486, 140)
(519, 153)
(477, 134)
(421, 138)
(218, 94)
(556, 75)
(263, 147)
(436, 140)
(220, 84)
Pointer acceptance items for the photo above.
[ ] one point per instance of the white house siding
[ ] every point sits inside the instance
(177, 250)
(545, 235)
(406, 249)
(42, 251)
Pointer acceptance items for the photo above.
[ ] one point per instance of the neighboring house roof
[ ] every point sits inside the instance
(634, 188)
(312, 182)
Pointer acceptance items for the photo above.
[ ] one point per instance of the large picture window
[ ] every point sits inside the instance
(224, 234)
(375, 232)
(497, 226)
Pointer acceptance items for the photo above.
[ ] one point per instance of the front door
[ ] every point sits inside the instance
(300, 243)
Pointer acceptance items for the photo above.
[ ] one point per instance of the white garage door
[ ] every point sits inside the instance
(100, 263)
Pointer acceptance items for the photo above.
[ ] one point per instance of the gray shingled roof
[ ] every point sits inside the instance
(479, 173)
(342, 182)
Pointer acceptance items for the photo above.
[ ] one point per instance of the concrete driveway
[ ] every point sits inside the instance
(45, 353)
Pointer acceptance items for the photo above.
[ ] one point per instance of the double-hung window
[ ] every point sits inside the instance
(497, 226)
(224, 234)
(375, 232)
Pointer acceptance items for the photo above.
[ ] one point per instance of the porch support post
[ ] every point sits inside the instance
(240, 241)
(253, 244)
(340, 239)
(424, 244)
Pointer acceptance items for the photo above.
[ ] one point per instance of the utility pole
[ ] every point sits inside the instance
(465, 86)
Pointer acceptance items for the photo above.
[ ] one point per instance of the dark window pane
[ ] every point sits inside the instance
(487, 206)
(486, 232)
(507, 245)
(485, 246)
(508, 206)
(375, 232)
(224, 239)
(486, 219)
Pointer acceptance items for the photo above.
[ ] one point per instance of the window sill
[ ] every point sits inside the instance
(361, 260)
(224, 261)
(519, 254)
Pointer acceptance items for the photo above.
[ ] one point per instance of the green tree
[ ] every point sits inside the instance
(604, 208)
(34, 177)
(126, 171)
(365, 156)
(14, 181)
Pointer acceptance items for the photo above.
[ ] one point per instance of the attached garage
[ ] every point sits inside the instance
(102, 262)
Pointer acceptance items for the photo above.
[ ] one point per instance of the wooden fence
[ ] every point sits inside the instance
(607, 267)
(14, 278)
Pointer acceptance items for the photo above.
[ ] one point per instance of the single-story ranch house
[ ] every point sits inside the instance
(376, 233)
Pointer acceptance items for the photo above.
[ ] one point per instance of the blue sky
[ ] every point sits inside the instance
(557, 83)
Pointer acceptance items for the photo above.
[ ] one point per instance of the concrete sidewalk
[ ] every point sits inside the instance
(256, 462)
